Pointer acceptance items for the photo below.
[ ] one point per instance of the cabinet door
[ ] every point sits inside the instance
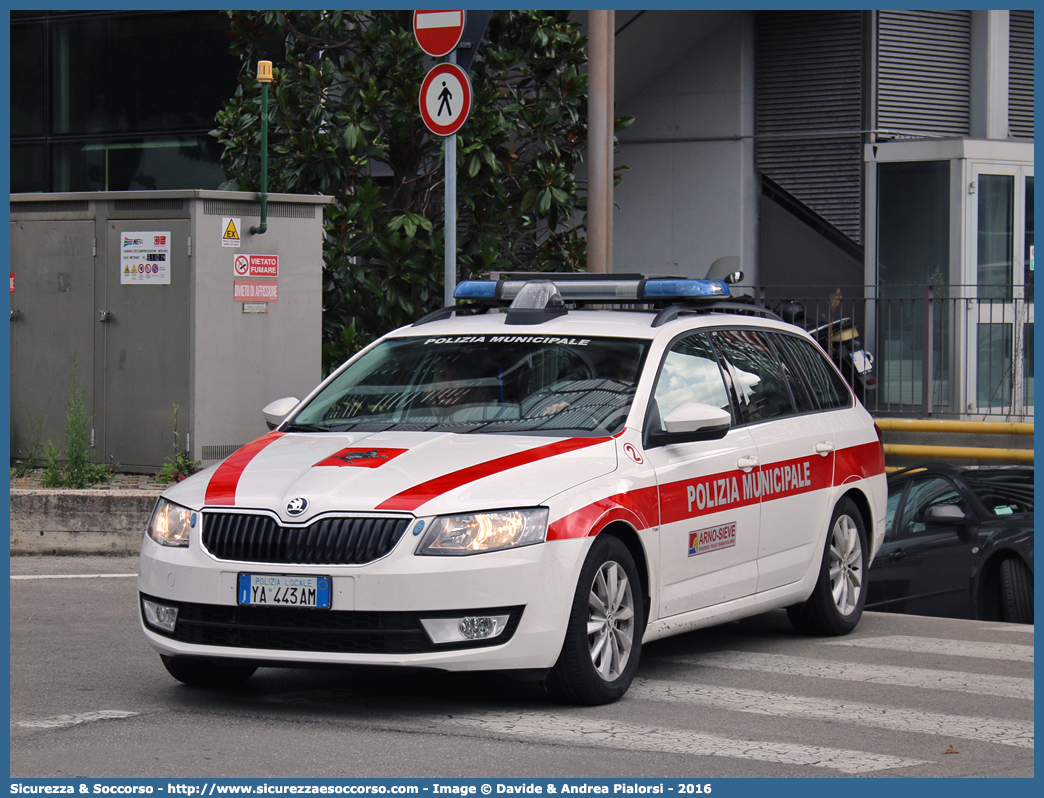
(53, 318)
(145, 339)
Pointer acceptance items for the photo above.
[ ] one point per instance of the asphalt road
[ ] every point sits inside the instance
(903, 696)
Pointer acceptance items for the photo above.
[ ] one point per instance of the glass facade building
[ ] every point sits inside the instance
(117, 100)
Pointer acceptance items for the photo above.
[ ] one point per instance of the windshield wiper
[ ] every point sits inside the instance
(315, 427)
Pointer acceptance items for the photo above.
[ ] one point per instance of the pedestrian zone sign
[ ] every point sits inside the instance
(445, 99)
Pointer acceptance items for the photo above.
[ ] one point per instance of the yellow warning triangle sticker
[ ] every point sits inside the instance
(126, 270)
(230, 231)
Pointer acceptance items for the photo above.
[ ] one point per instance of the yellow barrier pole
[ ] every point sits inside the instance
(958, 453)
(944, 425)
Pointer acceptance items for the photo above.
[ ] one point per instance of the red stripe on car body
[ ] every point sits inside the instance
(636, 507)
(859, 462)
(222, 486)
(721, 492)
(412, 498)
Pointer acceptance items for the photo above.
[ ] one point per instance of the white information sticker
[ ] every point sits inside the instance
(145, 258)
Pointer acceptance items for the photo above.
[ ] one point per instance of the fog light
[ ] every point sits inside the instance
(472, 627)
(159, 615)
(478, 628)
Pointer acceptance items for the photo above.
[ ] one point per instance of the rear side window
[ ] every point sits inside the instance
(827, 386)
(756, 373)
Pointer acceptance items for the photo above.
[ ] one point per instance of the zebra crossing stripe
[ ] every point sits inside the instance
(64, 721)
(935, 645)
(991, 730)
(575, 730)
(892, 675)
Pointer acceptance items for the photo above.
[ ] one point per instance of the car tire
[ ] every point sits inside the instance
(603, 639)
(832, 609)
(1016, 591)
(207, 672)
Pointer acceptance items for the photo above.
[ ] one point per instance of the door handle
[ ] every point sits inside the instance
(897, 555)
(824, 448)
(747, 463)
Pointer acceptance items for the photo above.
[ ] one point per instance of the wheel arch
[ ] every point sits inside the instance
(628, 535)
(862, 504)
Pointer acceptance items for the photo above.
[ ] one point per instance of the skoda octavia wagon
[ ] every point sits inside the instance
(522, 484)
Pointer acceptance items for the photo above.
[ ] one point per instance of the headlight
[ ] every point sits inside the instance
(478, 532)
(170, 524)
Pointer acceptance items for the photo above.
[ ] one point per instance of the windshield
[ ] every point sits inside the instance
(1006, 491)
(482, 383)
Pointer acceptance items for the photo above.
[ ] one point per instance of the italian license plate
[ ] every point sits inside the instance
(284, 590)
(862, 361)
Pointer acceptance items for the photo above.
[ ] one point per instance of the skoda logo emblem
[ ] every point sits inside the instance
(296, 506)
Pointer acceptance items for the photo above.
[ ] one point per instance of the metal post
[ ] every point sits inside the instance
(926, 359)
(598, 114)
(450, 158)
(264, 77)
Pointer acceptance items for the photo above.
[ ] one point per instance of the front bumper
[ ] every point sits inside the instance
(376, 609)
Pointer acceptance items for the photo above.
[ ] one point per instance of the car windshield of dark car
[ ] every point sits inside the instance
(482, 383)
(1003, 491)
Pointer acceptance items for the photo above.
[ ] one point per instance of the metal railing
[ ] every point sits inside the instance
(962, 352)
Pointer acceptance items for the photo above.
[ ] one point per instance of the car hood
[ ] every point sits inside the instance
(301, 475)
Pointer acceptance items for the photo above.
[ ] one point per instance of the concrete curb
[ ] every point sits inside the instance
(79, 521)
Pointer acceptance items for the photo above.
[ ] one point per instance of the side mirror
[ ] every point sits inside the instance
(692, 421)
(945, 515)
(275, 412)
(696, 416)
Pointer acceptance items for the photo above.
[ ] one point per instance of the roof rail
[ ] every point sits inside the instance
(445, 313)
(672, 312)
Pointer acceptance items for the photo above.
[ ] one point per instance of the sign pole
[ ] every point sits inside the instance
(449, 150)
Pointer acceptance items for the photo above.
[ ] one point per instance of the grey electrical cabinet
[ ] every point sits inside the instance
(164, 299)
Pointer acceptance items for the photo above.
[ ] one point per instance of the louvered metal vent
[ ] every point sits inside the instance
(329, 541)
(280, 210)
(924, 72)
(1020, 74)
(810, 110)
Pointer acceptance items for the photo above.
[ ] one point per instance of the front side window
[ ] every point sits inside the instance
(925, 493)
(482, 383)
(690, 373)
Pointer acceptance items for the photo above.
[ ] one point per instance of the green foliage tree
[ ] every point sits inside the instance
(344, 122)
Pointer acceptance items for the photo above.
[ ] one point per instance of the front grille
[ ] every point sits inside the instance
(329, 631)
(328, 541)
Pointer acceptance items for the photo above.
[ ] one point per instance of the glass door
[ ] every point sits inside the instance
(1000, 324)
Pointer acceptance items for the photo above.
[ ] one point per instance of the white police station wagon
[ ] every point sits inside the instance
(535, 488)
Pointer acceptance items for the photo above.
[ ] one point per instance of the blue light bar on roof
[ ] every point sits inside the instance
(598, 289)
(672, 288)
(476, 289)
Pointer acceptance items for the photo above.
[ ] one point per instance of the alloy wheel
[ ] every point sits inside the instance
(846, 565)
(610, 621)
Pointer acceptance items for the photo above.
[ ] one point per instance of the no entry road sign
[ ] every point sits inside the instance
(445, 99)
(438, 32)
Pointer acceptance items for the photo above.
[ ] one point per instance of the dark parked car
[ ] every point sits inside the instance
(958, 544)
